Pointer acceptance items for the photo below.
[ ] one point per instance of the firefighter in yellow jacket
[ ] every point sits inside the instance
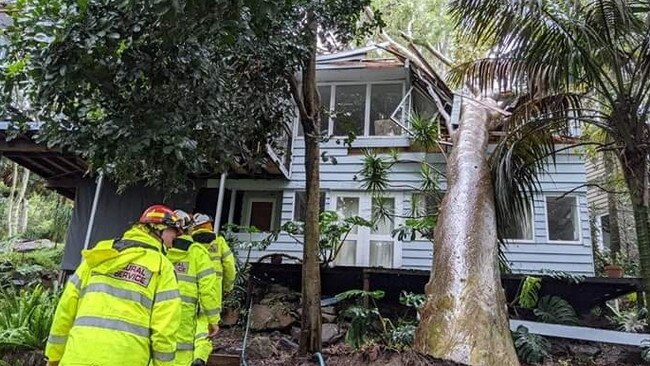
(224, 264)
(220, 253)
(200, 293)
(122, 305)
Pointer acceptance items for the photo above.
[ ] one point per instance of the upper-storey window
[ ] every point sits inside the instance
(364, 109)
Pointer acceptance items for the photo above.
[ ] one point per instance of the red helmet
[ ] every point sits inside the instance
(160, 215)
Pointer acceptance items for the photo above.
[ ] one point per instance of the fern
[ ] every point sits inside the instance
(358, 294)
(645, 350)
(529, 294)
(553, 309)
(531, 348)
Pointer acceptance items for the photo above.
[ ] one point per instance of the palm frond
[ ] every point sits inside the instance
(508, 74)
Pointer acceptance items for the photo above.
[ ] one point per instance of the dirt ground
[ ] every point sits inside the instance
(277, 349)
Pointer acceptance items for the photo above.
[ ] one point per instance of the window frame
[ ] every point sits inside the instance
(366, 120)
(248, 204)
(599, 225)
(578, 219)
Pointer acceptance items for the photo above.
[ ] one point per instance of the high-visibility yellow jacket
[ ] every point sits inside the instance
(120, 307)
(221, 255)
(200, 289)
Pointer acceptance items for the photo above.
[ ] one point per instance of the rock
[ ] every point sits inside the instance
(265, 317)
(328, 318)
(288, 343)
(584, 350)
(295, 333)
(261, 347)
(28, 246)
(279, 289)
(330, 333)
(229, 317)
(328, 310)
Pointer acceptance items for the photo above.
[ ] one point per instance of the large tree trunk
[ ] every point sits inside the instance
(635, 169)
(11, 224)
(465, 316)
(310, 339)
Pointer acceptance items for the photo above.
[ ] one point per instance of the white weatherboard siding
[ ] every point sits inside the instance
(532, 256)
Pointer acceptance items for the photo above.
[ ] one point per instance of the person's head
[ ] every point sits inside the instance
(163, 222)
(185, 219)
(201, 221)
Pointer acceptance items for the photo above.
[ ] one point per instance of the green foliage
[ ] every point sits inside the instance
(553, 309)
(531, 348)
(412, 300)
(401, 336)
(333, 230)
(361, 318)
(632, 320)
(529, 294)
(49, 217)
(26, 316)
(29, 267)
(571, 278)
(645, 350)
(424, 132)
(157, 91)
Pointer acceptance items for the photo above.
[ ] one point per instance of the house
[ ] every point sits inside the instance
(610, 208)
(376, 97)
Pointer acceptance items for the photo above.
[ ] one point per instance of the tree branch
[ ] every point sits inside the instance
(590, 185)
(293, 86)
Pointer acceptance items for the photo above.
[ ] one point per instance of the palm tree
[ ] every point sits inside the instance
(597, 48)
(552, 66)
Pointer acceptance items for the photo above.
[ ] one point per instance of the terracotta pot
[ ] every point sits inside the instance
(614, 271)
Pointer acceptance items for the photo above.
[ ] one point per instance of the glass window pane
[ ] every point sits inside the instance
(381, 253)
(300, 205)
(384, 100)
(562, 218)
(325, 96)
(383, 209)
(348, 207)
(605, 231)
(522, 229)
(347, 254)
(350, 109)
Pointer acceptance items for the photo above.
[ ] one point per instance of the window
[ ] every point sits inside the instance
(325, 92)
(384, 100)
(348, 207)
(605, 238)
(300, 205)
(381, 240)
(364, 109)
(522, 229)
(350, 109)
(261, 210)
(562, 219)
(423, 205)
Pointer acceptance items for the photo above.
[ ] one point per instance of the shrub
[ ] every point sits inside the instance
(26, 316)
(531, 348)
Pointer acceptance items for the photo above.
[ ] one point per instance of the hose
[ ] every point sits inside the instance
(248, 325)
(319, 358)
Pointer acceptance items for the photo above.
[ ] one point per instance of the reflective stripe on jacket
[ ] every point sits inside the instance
(200, 289)
(120, 307)
(221, 255)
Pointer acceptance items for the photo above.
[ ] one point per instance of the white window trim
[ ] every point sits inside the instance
(248, 204)
(578, 219)
(599, 226)
(532, 228)
(366, 121)
(363, 235)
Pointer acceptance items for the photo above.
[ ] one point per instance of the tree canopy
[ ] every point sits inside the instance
(156, 91)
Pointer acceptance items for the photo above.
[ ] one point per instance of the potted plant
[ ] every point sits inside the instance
(614, 268)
